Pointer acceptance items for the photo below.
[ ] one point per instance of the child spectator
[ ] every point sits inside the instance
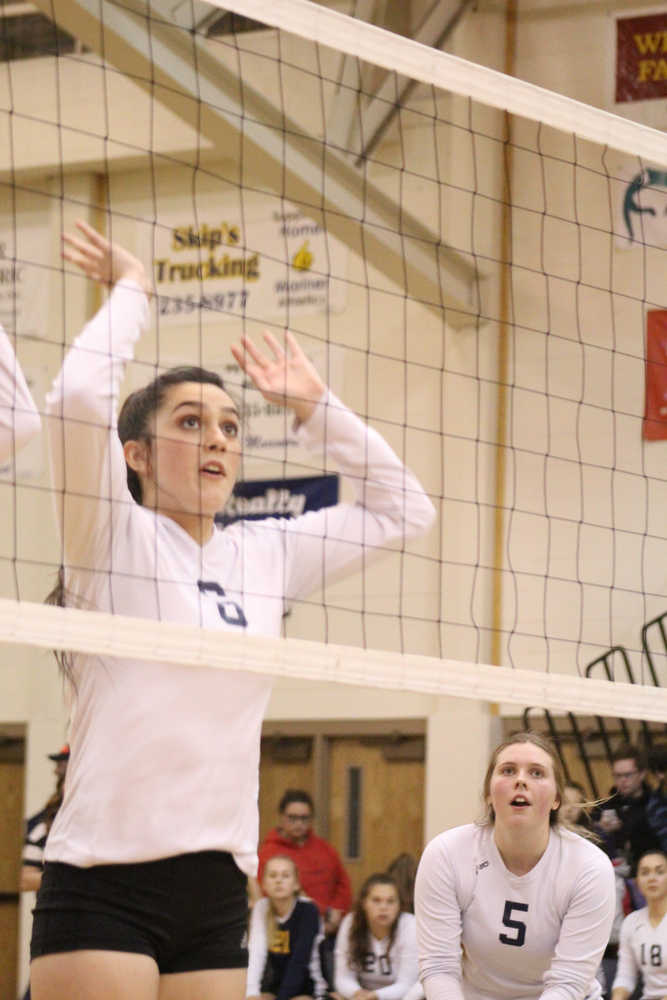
(376, 948)
(283, 960)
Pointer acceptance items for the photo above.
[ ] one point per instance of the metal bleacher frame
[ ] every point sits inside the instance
(614, 664)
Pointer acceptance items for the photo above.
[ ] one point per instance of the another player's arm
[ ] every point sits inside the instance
(584, 932)
(19, 419)
(88, 466)
(627, 969)
(30, 878)
(439, 925)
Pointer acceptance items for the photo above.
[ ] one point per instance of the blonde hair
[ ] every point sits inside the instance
(271, 921)
(489, 818)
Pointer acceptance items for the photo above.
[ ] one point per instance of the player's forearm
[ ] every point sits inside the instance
(620, 993)
(86, 455)
(382, 482)
(443, 986)
(30, 878)
(19, 419)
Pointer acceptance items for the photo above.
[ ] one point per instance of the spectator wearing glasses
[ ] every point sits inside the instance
(321, 872)
(626, 821)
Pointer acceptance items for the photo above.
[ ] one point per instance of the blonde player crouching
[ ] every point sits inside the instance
(515, 907)
(643, 945)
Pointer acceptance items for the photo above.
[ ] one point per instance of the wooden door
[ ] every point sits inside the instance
(11, 838)
(285, 762)
(376, 803)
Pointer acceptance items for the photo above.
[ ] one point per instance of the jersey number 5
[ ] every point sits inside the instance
(229, 610)
(516, 925)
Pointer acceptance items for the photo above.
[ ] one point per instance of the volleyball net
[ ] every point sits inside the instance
(475, 264)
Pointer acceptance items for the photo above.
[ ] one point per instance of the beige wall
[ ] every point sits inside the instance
(441, 381)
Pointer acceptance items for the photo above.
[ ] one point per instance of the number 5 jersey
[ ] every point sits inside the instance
(486, 933)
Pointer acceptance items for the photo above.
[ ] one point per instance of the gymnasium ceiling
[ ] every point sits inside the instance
(162, 59)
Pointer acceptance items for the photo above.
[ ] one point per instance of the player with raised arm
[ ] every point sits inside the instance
(19, 419)
(643, 945)
(144, 888)
(516, 906)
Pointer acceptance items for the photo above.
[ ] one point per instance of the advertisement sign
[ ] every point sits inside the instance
(256, 499)
(266, 264)
(641, 57)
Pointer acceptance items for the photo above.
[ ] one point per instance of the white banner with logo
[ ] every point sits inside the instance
(268, 264)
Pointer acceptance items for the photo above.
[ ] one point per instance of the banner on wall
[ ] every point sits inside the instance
(256, 499)
(279, 264)
(655, 414)
(644, 208)
(641, 57)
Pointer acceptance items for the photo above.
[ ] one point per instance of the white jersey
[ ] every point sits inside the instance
(643, 949)
(164, 759)
(19, 419)
(391, 975)
(486, 934)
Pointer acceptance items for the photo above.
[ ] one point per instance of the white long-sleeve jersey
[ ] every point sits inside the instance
(643, 949)
(164, 759)
(392, 975)
(486, 934)
(19, 419)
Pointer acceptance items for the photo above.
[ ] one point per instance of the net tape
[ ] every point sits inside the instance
(429, 65)
(118, 635)
(92, 632)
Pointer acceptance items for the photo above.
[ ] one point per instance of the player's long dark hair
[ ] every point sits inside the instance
(360, 929)
(134, 425)
(403, 869)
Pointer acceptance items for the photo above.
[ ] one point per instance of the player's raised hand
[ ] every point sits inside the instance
(282, 375)
(101, 260)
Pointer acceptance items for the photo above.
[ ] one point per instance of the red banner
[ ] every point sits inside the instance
(655, 415)
(641, 57)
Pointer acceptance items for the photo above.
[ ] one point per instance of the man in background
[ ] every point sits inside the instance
(627, 820)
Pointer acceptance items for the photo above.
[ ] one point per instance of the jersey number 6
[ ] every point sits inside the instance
(229, 610)
(516, 925)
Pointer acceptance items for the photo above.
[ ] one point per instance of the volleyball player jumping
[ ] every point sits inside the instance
(516, 907)
(144, 889)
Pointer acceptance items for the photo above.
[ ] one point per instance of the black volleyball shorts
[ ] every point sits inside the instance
(188, 912)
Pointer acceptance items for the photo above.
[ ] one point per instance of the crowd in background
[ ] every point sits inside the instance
(308, 937)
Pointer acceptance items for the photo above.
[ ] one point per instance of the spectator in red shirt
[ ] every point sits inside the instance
(321, 870)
